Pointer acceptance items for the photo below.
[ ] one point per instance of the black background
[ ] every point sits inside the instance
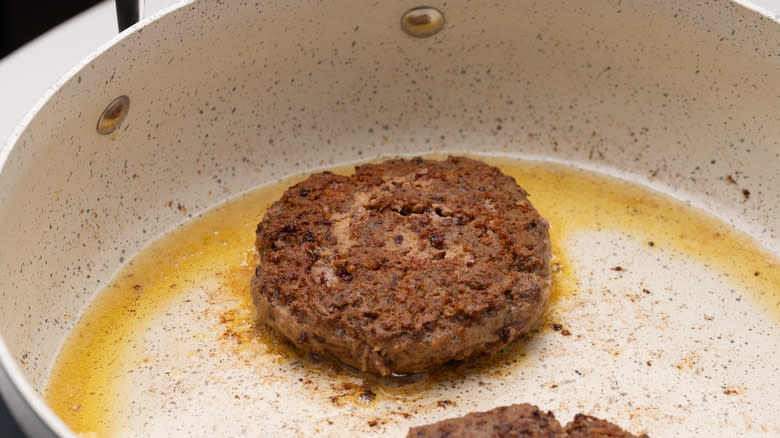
(20, 22)
(23, 20)
(8, 427)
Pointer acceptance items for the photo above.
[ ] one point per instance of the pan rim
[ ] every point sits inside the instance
(9, 366)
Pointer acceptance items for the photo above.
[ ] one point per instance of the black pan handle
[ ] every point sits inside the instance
(128, 13)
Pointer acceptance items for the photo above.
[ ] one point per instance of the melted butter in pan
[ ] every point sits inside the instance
(212, 259)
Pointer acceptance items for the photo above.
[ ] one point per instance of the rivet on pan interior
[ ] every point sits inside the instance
(113, 115)
(422, 22)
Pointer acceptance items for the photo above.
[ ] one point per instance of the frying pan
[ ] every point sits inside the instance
(682, 98)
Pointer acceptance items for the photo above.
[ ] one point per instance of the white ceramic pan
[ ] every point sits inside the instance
(674, 320)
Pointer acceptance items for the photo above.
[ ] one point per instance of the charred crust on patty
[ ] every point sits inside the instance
(585, 426)
(404, 265)
(519, 420)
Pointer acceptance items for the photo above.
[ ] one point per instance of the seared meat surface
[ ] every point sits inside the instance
(515, 421)
(585, 426)
(519, 421)
(404, 265)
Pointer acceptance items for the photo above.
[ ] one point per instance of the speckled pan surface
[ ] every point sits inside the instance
(227, 96)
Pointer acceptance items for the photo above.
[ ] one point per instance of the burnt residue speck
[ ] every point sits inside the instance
(445, 403)
(745, 192)
(560, 329)
(366, 397)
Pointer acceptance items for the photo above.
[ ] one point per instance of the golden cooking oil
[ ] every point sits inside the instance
(219, 244)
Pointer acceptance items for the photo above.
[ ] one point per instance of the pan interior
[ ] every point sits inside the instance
(645, 291)
(679, 97)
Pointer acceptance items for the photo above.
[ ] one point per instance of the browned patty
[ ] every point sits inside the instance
(525, 421)
(404, 265)
(585, 426)
(519, 421)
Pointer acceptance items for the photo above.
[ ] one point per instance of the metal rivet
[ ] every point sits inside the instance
(113, 115)
(422, 22)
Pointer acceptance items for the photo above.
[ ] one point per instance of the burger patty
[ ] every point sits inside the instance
(585, 426)
(404, 265)
(524, 420)
(519, 421)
